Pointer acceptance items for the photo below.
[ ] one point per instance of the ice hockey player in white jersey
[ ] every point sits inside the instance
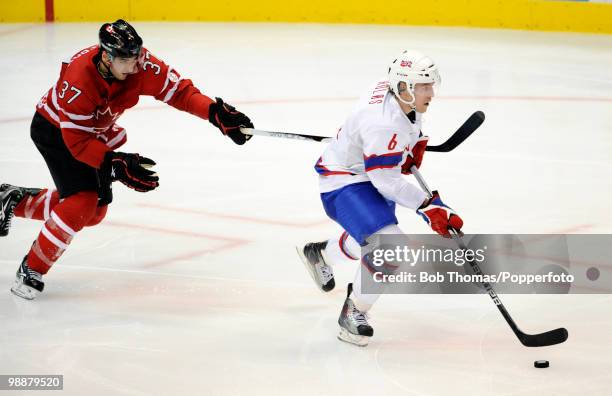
(361, 180)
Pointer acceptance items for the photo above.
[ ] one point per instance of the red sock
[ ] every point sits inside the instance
(38, 206)
(65, 220)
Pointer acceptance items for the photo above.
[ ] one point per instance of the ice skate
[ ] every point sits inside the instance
(354, 326)
(28, 283)
(314, 260)
(10, 196)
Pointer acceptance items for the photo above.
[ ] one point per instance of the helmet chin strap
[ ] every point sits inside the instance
(409, 103)
(411, 114)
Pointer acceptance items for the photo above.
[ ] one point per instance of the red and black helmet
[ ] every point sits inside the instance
(120, 39)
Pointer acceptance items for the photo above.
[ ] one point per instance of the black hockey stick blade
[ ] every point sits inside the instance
(553, 337)
(464, 131)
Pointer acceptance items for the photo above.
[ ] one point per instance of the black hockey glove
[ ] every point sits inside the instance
(130, 169)
(229, 120)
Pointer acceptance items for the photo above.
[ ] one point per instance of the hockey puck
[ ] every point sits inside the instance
(541, 363)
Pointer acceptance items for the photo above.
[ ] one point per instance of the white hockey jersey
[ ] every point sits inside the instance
(372, 145)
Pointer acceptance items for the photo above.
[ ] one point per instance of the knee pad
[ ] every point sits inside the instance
(98, 216)
(77, 210)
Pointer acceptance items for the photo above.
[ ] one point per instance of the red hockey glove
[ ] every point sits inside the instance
(229, 120)
(440, 217)
(130, 169)
(415, 157)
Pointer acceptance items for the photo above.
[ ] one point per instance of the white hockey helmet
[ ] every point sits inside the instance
(412, 67)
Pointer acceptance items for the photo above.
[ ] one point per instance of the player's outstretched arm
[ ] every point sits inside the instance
(166, 84)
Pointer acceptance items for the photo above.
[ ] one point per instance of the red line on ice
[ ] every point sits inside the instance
(174, 232)
(194, 254)
(230, 243)
(237, 217)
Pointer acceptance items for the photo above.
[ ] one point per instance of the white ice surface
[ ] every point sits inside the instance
(195, 288)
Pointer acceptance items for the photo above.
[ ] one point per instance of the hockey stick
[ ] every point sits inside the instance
(552, 337)
(285, 135)
(464, 131)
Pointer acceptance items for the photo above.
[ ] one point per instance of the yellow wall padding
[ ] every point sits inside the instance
(22, 10)
(579, 16)
(96, 10)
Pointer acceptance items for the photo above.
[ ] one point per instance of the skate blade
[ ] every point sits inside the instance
(309, 267)
(351, 338)
(23, 291)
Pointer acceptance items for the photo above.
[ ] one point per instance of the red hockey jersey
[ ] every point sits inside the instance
(85, 106)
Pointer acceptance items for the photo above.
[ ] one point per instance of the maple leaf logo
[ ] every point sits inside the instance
(109, 112)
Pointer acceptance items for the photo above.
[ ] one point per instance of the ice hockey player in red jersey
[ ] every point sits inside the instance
(74, 128)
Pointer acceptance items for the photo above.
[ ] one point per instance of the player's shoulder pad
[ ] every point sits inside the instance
(77, 81)
(81, 64)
